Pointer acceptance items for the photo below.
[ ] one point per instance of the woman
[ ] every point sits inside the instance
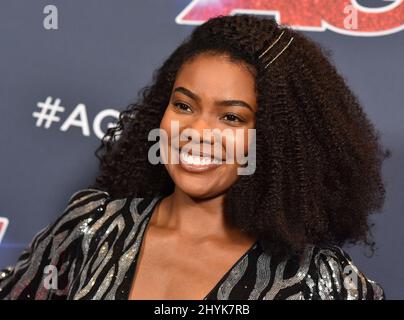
(198, 229)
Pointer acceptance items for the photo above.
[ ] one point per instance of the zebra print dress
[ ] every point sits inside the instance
(93, 246)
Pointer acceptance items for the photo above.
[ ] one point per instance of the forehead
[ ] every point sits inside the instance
(211, 75)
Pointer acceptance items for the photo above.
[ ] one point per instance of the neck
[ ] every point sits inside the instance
(198, 218)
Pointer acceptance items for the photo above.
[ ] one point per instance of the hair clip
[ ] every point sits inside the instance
(275, 42)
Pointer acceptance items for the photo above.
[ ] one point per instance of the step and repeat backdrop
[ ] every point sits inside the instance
(68, 67)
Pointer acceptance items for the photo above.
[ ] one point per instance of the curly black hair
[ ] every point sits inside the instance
(319, 158)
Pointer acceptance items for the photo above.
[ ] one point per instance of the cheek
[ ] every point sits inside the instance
(171, 124)
(165, 121)
(165, 137)
(238, 142)
(167, 125)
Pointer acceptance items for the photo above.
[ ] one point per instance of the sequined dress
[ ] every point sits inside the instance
(93, 246)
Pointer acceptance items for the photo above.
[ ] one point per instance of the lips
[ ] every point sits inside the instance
(198, 163)
(198, 160)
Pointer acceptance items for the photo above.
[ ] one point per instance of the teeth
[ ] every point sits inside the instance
(198, 160)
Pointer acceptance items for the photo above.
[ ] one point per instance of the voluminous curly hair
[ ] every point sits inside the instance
(319, 158)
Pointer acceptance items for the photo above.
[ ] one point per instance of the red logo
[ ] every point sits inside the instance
(3, 227)
(341, 16)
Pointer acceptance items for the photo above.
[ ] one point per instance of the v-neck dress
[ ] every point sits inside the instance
(93, 247)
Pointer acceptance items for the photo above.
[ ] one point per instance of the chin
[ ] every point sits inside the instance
(197, 192)
(201, 185)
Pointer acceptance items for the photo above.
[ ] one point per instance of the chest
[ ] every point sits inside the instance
(179, 271)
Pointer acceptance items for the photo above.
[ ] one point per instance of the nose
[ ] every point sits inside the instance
(195, 131)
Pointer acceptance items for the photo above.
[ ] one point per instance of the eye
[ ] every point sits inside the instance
(182, 107)
(232, 118)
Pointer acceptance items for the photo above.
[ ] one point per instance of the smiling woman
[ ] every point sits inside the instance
(210, 91)
(196, 229)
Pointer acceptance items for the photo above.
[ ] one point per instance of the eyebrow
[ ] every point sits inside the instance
(224, 103)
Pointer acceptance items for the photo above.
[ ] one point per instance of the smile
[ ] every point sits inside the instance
(197, 160)
(198, 163)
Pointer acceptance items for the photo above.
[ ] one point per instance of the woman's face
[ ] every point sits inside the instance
(210, 92)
